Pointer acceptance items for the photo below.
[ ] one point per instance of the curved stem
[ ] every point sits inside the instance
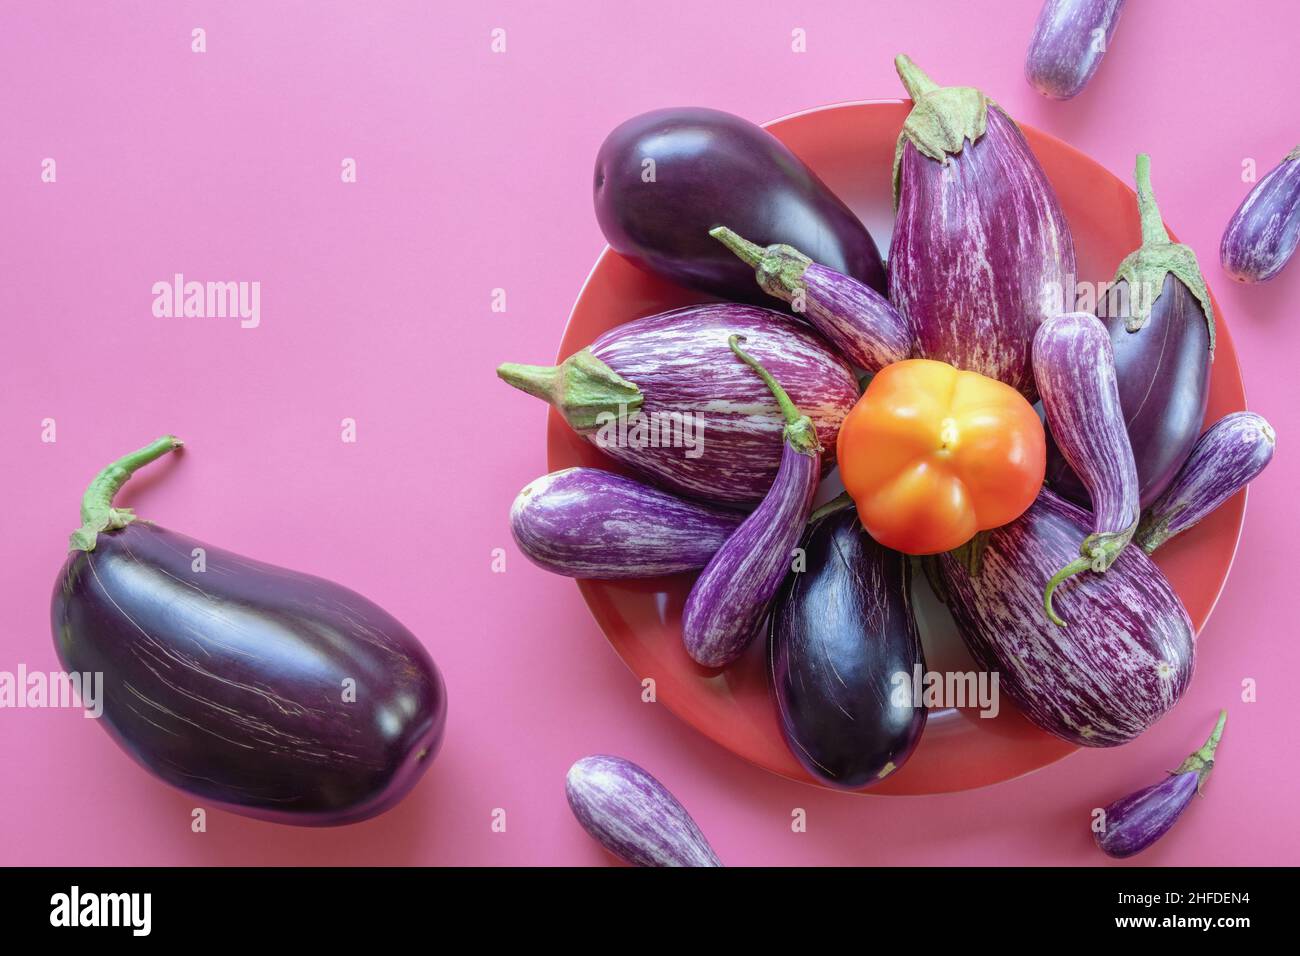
(788, 408)
(914, 78)
(1153, 227)
(1202, 761)
(97, 511)
(1077, 566)
(745, 250)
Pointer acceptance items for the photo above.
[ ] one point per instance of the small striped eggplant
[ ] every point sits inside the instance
(1070, 39)
(1263, 233)
(1075, 370)
(633, 816)
(1133, 823)
(665, 396)
(854, 317)
(731, 597)
(1123, 663)
(1228, 456)
(981, 248)
(841, 630)
(1161, 324)
(589, 523)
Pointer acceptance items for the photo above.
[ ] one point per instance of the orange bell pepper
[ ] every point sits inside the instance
(931, 455)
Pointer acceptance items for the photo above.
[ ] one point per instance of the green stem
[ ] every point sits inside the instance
(838, 503)
(799, 429)
(537, 380)
(1153, 226)
(1077, 566)
(1202, 761)
(97, 511)
(584, 390)
(915, 80)
(746, 251)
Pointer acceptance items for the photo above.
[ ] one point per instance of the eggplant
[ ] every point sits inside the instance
(1070, 38)
(840, 632)
(1133, 823)
(665, 178)
(1123, 663)
(731, 597)
(1161, 325)
(1263, 233)
(269, 693)
(1075, 371)
(588, 523)
(981, 247)
(676, 369)
(633, 816)
(856, 319)
(1228, 456)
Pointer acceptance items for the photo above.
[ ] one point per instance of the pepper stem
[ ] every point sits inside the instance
(97, 511)
(745, 250)
(1077, 566)
(1153, 226)
(915, 80)
(799, 429)
(1202, 761)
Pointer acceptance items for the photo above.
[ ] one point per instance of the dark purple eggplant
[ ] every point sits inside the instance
(1075, 371)
(588, 523)
(731, 597)
(1127, 656)
(633, 816)
(1263, 233)
(1161, 325)
(1070, 38)
(676, 369)
(269, 693)
(1133, 823)
(665, 178)
(981, 247)
(1228, 456)
(855, 318)
(840, 632)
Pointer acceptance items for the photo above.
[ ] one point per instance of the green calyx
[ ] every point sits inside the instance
(971, 554)
(1097, 553)
(582, 388)
(97, 511)
(1294, 154)
(942, 120)
(1202, 761)
(799, 433)
(779, 268)
(1145, 268)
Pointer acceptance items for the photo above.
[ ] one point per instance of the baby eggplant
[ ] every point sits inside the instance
(1070, 38)
(665, 178)
(269, 693)
(1264, 231)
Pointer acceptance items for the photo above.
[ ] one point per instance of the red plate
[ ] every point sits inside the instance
(851, 147)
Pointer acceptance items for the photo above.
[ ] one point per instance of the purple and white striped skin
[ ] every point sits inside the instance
(856, 319)
(731, 597)
(1075, 370)
(633, 816)
(1123, 663)
(1263, 233)
(1227, 457)
(679, 364)
(981, 248)
(1161, 323)
(1133, 823)
(588, 523)
(1070, 39)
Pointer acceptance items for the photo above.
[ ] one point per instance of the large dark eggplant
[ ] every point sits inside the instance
(665, 178)
(1161, 326)
(1123, 662)
(840, 632)
(269, 693)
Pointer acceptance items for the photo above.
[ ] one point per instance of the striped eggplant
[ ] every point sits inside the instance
(269, 693)
(841, 632)
(589, 523)
(1070, 39)
(730, 598)
(1228, 456)
(665, 396)
(854, 317)
(981, 248)
(1133, 823)
(1263, 233)
(1075, 371)
(1161, 324)
(1123, 663)
(633, 816)
(665, 178)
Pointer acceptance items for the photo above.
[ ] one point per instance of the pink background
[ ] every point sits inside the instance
(474, 174)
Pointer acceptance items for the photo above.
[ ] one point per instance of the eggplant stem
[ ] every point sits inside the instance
(1153, 226)
(97, 511)
(1202, 761)
(840, 501)
(799, 433)
(537, 380)
(915, 80)
(746, 251)
(1077, 566)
